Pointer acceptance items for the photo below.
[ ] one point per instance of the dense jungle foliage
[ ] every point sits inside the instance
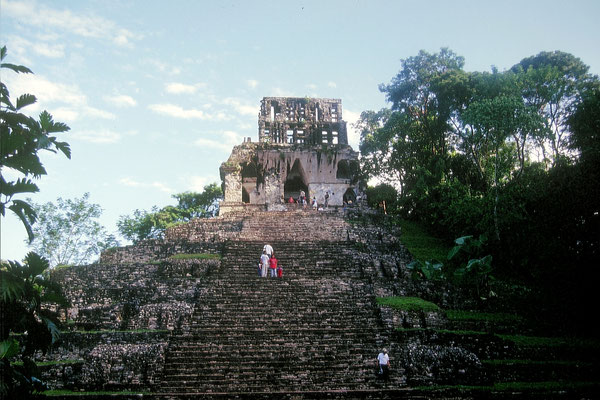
(510, 159)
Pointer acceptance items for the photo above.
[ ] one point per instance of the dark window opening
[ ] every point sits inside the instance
(347, 169)
(295, 182)
(350, 196)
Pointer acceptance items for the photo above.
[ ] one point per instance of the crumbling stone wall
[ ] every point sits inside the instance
(134, 296)
(303, 146)
(301, 120)
(121, 316)
(105, 360)
(204, 240)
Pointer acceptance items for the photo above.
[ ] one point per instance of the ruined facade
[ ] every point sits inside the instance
(302, 146)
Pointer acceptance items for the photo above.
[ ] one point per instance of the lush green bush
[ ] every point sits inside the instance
(408, 303)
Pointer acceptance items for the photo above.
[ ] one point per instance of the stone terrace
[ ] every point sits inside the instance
(214, 325)
(199, 328)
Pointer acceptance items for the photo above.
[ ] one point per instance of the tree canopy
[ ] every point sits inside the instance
(513, 156)
(21, 139)
(24, 287)
(152, 225)
(68, 232)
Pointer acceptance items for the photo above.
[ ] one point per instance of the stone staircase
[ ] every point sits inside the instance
(317, 328)
(162, 328)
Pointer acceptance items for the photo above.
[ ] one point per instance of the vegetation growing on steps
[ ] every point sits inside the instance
(408, 304)
(467, 315)
(197, 256)
(422, 244)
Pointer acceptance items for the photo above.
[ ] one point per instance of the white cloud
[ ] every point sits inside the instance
(196, 183)
(225, 141)
(279, 92)
(44, 90)
(144, 185)
(353, 135)
(73, 102)
(121, 100)
(239, 107)
(178, 112)
(85, 25)
(331, 84)
(97, 136)
(98, 113)
(252, 83)
(163, 67)
(182, 88)
(65, 114)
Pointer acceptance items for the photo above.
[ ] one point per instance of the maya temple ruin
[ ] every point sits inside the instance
(188, 316)
(302, 146)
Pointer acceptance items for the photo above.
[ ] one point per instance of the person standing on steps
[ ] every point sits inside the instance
(326, 199)
(383, 365)
(268, 249)
(264, 262)
(273, 265)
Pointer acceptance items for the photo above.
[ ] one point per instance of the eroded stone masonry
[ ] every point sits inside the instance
(302, 146)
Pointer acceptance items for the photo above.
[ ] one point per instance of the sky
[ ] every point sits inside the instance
(157, 93)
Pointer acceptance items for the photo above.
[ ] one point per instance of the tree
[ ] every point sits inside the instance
(495, 120)
(585, 128)
(411, 143)
(21, 139)
(382, 195)
(68, 233)
(152, 225)
(25, 288)
(553, 83)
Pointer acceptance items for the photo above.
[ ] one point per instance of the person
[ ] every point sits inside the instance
(326, 199)
(314, 202)
(279, 271)
(383, 365)
(259, 265)
(268, 249)
(273, 265)
(264, 262)
(291, 200)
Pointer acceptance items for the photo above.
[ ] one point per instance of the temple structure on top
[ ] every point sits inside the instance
(302, 146)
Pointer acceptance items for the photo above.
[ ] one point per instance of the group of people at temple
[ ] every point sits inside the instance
(302, 199)
(268, 262)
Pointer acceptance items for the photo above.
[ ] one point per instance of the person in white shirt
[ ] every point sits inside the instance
(264, 261)
(268, 249)
(383, 364)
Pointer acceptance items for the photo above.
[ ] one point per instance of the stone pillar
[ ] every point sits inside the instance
(233, 185)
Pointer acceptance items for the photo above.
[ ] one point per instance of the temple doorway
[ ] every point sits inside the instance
(295, 182)
(350, 196)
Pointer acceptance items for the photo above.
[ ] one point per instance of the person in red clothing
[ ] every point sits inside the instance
(273, 265)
